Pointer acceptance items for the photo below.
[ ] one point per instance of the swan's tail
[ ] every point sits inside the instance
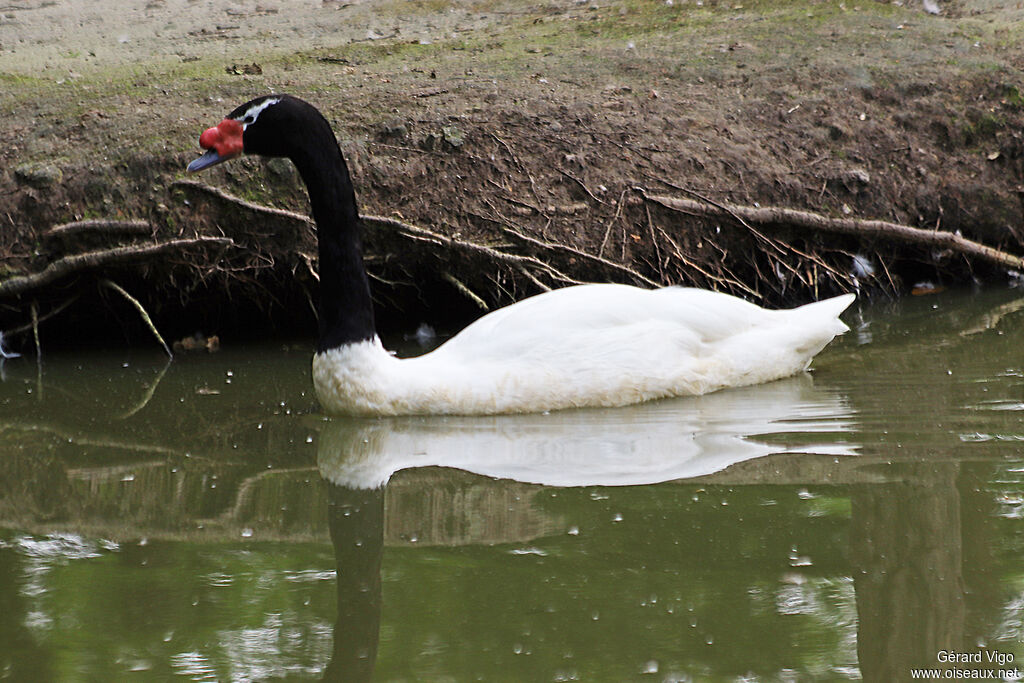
(784, 344)
(827, 311)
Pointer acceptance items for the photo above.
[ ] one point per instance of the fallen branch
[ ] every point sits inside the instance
(142, 313)
(878, 229)
(98, 259)
(465, 291)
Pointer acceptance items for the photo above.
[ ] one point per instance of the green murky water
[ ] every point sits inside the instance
(203, 521)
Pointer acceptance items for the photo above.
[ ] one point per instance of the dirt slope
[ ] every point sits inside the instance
(519, 137)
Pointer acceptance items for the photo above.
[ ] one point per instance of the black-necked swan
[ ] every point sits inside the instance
(585, 345)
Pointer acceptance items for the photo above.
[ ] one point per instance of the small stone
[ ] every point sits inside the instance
(396, 129)
(453, 136)
(281, 168)
(38, 175)
(853, 180)
(857, 175)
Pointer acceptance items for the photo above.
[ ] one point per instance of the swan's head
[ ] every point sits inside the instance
(271, 125)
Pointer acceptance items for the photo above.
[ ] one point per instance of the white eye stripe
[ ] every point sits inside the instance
(253, 113)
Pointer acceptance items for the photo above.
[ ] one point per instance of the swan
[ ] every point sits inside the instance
(585, 345)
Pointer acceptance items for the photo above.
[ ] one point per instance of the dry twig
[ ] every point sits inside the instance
(465, 291)
(142, 313)
(514, 230)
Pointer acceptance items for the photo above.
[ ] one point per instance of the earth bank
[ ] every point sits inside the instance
(510, 146)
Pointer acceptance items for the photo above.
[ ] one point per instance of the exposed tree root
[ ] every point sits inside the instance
(393, 226)
(510, 228)
(493, 254)
(69, 265)
(43, 318)
(497, 262)
(34, 309)
(874, 229)
(99, 226)
(260, 209)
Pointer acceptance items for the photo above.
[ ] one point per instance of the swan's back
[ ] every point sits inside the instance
(589, 310)
(590, 345)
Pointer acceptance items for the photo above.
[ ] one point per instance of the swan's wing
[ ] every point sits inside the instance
(615, 344)
(598, 313)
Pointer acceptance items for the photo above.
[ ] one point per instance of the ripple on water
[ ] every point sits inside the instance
(60, 547)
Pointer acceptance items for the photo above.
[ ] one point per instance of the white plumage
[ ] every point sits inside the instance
(589, 345)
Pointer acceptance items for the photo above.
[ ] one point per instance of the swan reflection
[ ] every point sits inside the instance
(629, 446)
(643, 444)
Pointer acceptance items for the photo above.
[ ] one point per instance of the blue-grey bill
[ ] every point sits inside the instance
(211, 158)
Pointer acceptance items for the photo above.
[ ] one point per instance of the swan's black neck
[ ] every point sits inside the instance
(345, 308)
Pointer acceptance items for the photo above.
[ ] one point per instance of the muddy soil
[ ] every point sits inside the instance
(519, 136)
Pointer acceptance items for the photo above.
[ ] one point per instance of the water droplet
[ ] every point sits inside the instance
(246, 532)
(573, 531)
(617, 517)
(651, 667)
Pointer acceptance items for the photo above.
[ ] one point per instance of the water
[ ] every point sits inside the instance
(202, 521)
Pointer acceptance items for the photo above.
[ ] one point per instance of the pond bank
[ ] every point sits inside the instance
(506, 147)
